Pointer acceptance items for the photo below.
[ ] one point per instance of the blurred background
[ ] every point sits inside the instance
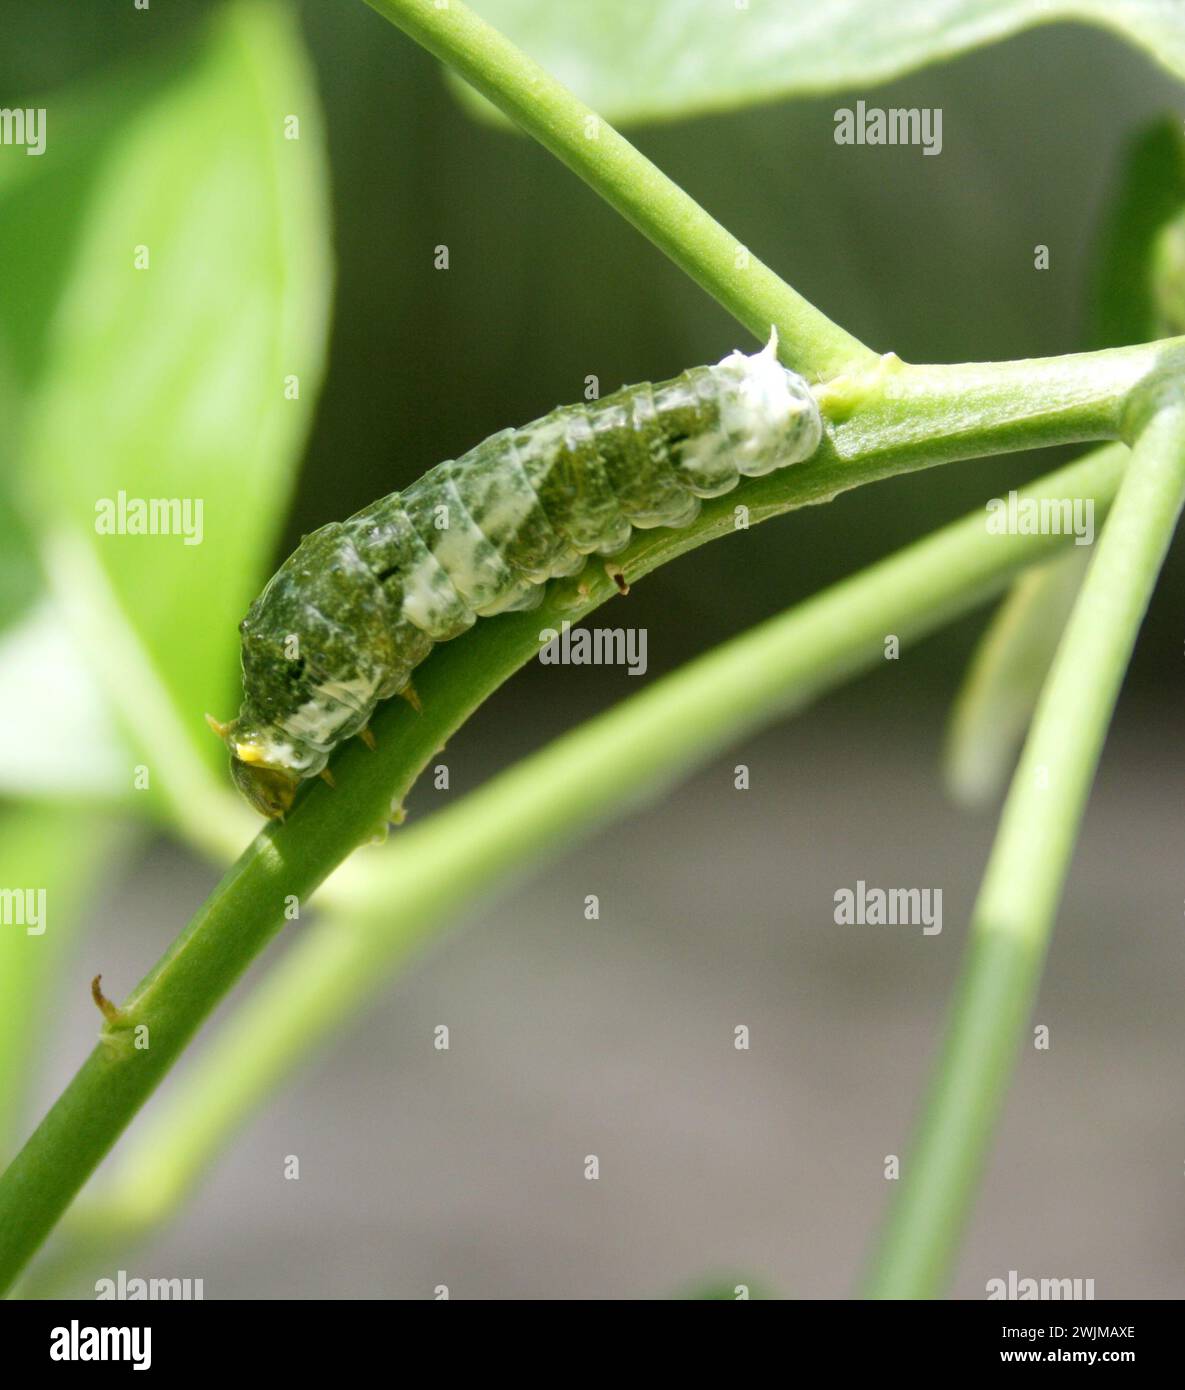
(616, 1037)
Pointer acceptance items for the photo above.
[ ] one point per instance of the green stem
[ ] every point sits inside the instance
(68, 852)
(994, 708)
(1021, 890)
(872, 411)
(544, 802)
(883, 418)
(628, 182)
(925, 414)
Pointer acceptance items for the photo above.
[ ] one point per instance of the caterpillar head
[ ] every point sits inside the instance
(271, 790)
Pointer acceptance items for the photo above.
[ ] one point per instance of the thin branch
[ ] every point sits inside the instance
(628, 182)
(431, 870)
(883, 418)
(1023, 885)
(290, 861)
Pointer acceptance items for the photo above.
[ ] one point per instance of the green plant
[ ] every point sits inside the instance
(884, 417)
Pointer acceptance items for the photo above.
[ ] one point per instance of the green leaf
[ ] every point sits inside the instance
(673, 58)
(43, 199)
(1139, 290)
(1168, 276)
(199, 287)
(995, 705)
(58, 736)
(19, 580)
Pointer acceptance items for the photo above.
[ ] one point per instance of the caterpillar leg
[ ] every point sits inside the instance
(368, 738)
(327, 778)
(408, 693)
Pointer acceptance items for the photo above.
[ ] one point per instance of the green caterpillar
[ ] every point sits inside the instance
(360, 603)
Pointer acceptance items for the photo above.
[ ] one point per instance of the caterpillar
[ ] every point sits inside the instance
(360, 603)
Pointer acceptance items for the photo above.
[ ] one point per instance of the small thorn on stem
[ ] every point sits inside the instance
(368, 738)
(111, 1012)
(327, 778)
(619, 579)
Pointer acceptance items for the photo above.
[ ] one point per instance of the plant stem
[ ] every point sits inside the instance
(1023, 884)
(923, 414)
(628, 182)
(547, 800)
(872, 411)
(68, 851)
(994, 708)
(883, 418)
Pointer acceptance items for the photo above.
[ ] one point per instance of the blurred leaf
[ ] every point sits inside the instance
(19, 580)
(42, 209)
(18, 565)
(179, 786)
(57, 733)
(672, 58)
(168, 381)
(995, 705)
(1168, 277)
(62, 854)
(1139, 291)
(43, 199)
